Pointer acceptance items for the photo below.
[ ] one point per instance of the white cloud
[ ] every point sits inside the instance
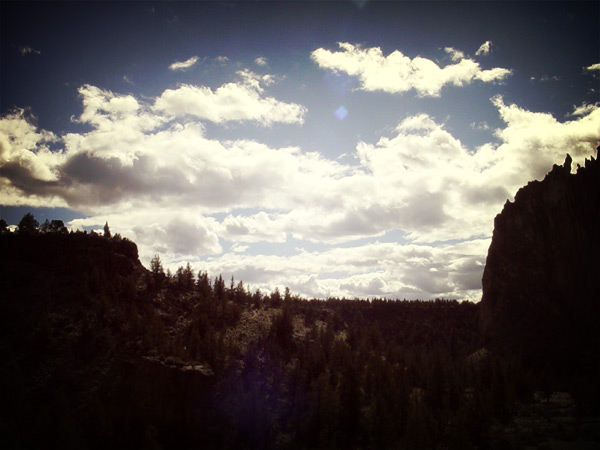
(184, 65)
(484, 48)
(161, 181)
(455, 55)
(593, 68)
(583, 109)
(242, 101)
(532, 142)
(397, 73)
(27, 165)
(376, 269)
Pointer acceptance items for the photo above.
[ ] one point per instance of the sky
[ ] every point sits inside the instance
(350, 149)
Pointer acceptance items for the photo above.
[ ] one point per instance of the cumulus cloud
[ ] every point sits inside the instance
(398, 73)
(532, 141)
(160, 180)
(241, 101)
(27, 164)
(184, 65)
(376, 269)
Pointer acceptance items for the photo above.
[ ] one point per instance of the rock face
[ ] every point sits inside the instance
(541, 283)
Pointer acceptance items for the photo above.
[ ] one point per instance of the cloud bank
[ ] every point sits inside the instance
(410, 217)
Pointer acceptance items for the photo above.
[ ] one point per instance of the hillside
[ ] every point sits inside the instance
(99, 352)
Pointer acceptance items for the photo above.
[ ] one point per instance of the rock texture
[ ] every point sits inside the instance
(541, 285)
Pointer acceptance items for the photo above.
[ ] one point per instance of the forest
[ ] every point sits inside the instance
(99, 352)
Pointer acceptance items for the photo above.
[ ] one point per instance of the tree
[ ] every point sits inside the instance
(54, 226)
(3, 226)
(28, 225)
(184, 278)
(106, 231)
(219, 288)
(203, 284)
(58, 226)
(45, 228)
(157, 273)
(276, 298)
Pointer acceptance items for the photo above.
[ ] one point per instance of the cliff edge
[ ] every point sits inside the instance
(541, 284)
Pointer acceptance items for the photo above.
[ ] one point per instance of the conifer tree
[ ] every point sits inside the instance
(107, 233)
(28, 225)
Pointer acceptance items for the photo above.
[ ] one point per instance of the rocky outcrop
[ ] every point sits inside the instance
(541, 284)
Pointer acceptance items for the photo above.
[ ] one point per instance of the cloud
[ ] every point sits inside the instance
(174, 233)
(455, 55)
(261, 61)
(593, 68)
(241, 101)
(378, 269)
(583, 109)
(21, 141)
(484, 48)
(184, 65)
(532, 141)
(160, 180)
(398, 73)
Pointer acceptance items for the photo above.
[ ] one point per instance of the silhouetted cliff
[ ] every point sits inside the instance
(541, 284)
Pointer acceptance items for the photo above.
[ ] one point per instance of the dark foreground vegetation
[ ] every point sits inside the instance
(97, 352)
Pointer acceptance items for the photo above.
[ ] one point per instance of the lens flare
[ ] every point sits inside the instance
(341, 113)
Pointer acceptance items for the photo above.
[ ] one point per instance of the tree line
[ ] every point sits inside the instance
(100, 352)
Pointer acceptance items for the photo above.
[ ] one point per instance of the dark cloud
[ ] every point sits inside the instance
(23, 179)
(108, 180)
(486, 194)
(467, 275)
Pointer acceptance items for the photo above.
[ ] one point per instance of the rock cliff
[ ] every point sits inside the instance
(541, 285)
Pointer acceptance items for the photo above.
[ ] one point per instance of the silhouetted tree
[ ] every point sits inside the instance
(58, 226)
(203, 285)
(45, 228)
(3, 226)
(184, 278)
(219, 289)
(28, 225)
(276, 298)
(54, 226)
(157, 273)
(106, 231)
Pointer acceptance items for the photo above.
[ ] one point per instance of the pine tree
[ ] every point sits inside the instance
(28, 225)
(107, 233)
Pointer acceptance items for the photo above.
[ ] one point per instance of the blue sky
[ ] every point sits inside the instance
(338, 148)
